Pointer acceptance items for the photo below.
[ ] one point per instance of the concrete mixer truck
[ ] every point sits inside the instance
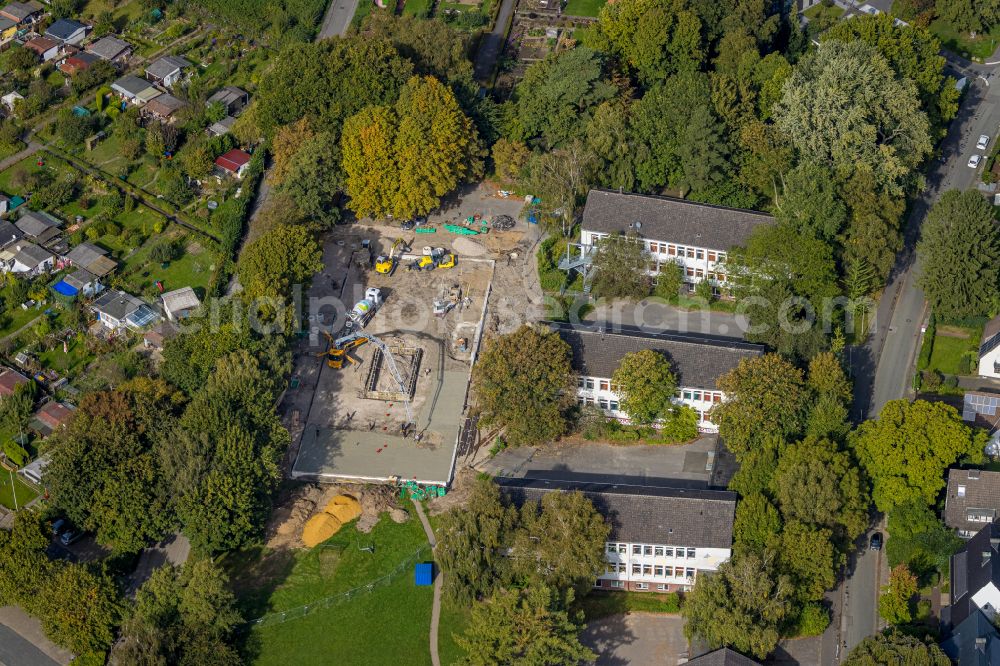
(364, 309)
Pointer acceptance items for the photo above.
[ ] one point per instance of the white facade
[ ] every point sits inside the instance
(697, 263)
(658, 567)
(599, 392)
(989, 363)
(987, 599)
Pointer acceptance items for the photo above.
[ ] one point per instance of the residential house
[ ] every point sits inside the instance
(973, 499)
(167, 71)
(33, 471)
(22, 13)
(180, 303)
(10, 380)
(234, 163)
(80, 281)
(661, 539)
(10, 100)
(157, 336)
(111, 49)
(51, 417)
(8, 29)
(222, 127)
(67, 31)
(232, 98)
(696, 360)
(92, 258)
(722, 657)
(164, 107)
(4, 204)
(118, 311)
(44, 47)
(26, 259)
(39, 226)
(989, 349)
(694, 235)
(134, 90)
(9, 234)
(76, 63)
(967, 623)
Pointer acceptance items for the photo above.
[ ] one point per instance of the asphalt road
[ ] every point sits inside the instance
(338, 18)
(883, 368)
(15, 651)
(492, 43)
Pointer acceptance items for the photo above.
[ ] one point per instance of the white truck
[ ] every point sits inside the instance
(364, 309)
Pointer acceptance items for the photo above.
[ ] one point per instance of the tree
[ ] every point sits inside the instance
(959, 251)
(523, 383)
(525, 627)
(315, 179)
(742, 605)
(610, 139)
(960, 13)
(472, 541)
(756, 525)
(764, 398)
(288, 140)
(561, 178)
(279, 258)
(808, 556)
(73, 129)
(702, 150)
(819, 485)
(560, 543)
(25, 569)
(844, 107)
(555, 99)
(906, 450)
(105, 471)
(80, 609)
(620, 266)
(509, 161)
(892, 647)
(919, 539)
(16, 408)
(810, 202)
(646, 385)
(894, 602)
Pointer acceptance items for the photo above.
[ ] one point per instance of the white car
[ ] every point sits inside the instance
(984, 140)
(974, 161)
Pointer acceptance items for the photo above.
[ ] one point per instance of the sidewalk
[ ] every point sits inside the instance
(33, 648)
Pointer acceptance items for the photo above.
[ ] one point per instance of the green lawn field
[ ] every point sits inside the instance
(20, 489)
(584, 7)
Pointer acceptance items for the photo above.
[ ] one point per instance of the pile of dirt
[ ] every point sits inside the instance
(458, 494)
(376, 500)
(467, 247)
(300, 503)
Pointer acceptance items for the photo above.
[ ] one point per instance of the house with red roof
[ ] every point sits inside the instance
(51, 416)
(10, 380)
(234, 162)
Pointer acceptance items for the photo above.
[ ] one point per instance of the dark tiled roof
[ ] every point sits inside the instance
(645, 514)
(79, 278)
(165, 66)
(972, 568)
(962, 645)
(723, 657)
(697, 360)
(9, 380)
(38, 225)
(165, 105)
(64, 28)
(9, 234)
(668, 219)
(117, 304)
(85, 254)
(980, 495)
(109, 48)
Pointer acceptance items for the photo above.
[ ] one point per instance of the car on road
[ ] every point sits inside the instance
(974, 161)
(984, 140)
(70, 536)
(876, 542)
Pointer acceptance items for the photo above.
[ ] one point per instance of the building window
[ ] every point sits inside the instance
(711, 255)
(641, 586)
(603, 403)
(636, 569)
(616, 388)
(654, 247)
(722, 256)
(614, 405)
(605, 385)
(647, 550)
(961, 491)
(689, 272)
(686, 395)
(690, 553)
(637, 549)
(661, 588)
(696, 395)
(617, 583)
(690, 252)
(647, 570)
(701, 254)
(612, 548)
(589, 383)
(659, 551)
(658, 570)
(668, 552)
(580, 400)
(671, 250)
(622, 568)
(689, 573)
(717, 397)
(579, 382)
(699, 272)
(611, 568)
(622, 548)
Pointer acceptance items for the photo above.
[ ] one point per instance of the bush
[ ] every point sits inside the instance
(15, 453)
(931, 380)
(669, 281)
(951, 381)
(965, 365)
(927, 346)
(813, 620)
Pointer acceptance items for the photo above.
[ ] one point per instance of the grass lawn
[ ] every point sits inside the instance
(20, 489)
(583, 7)
(192, 269)
(602, 604)
(454, 619)
(981, 47)
(30, 165)
(948, 349)
(378, 626)
(13, 316)
(67, 364)
(417, 7)
(824, 15)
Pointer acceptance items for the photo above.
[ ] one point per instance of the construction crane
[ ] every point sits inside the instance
(339, 347)
(386, 263)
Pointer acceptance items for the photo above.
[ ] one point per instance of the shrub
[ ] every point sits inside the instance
(965, 364)
(951, 381)
(813, 620)
(927, 346)
(15, 453)
(931, 380)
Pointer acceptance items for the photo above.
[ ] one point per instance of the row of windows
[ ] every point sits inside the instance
(698, 273)
(672, 250)
(650, 570)
(658, 551)
(695, 394)
(660, 587)
(590, 383)
(583, 401)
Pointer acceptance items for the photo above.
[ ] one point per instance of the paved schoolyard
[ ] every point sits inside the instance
(637, 638)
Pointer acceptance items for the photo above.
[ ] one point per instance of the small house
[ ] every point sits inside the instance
(91, 258)
(119, 311)
(111, 49)
(44, 47)
(10, 100)
(134, 90)
(164, 107)
(22, 13)
(67, 31)
(50, 417)
(167, 71)
(26, 259)
(180, 303)
(80, 281)
(77, 62)
(10, 380)
(222, 127)
(234, 162)
(33, 471)
(156, 337)
(39, 226)
(9, 234)
(8, 29)
(232, 98)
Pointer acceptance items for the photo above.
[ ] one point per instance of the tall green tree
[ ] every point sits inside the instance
(80, 609)
(892, 647)
(315, 180)
(897, 595)
(523, 627)
(646, 385)
(907, 449)
(281, 257)
(756, 525)
(620, 264)
(810, 202)
(959, 251)
(808, 555)
(523, 383)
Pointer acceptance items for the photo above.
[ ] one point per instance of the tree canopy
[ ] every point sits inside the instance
(891, 647)
(646, 385)
(620, 264)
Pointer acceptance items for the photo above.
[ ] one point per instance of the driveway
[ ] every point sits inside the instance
(637, 638)
(173, 550)
(492, 43)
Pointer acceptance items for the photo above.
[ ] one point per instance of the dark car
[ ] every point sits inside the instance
(70, 536)
(876, 542)
(59, 526)
(406, 225)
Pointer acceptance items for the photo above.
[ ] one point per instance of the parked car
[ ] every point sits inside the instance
(876, 542)
(59, 526)
(406, 225)
(984, 140)
(70, 536)
(974, 161)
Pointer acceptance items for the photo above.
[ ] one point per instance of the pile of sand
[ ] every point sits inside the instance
(465, 246)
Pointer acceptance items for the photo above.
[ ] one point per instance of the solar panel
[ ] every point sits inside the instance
(142, 317)
(978, 403)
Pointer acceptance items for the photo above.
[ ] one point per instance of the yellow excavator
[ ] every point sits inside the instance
(386, 263)
(433, 258)
(336, 354)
